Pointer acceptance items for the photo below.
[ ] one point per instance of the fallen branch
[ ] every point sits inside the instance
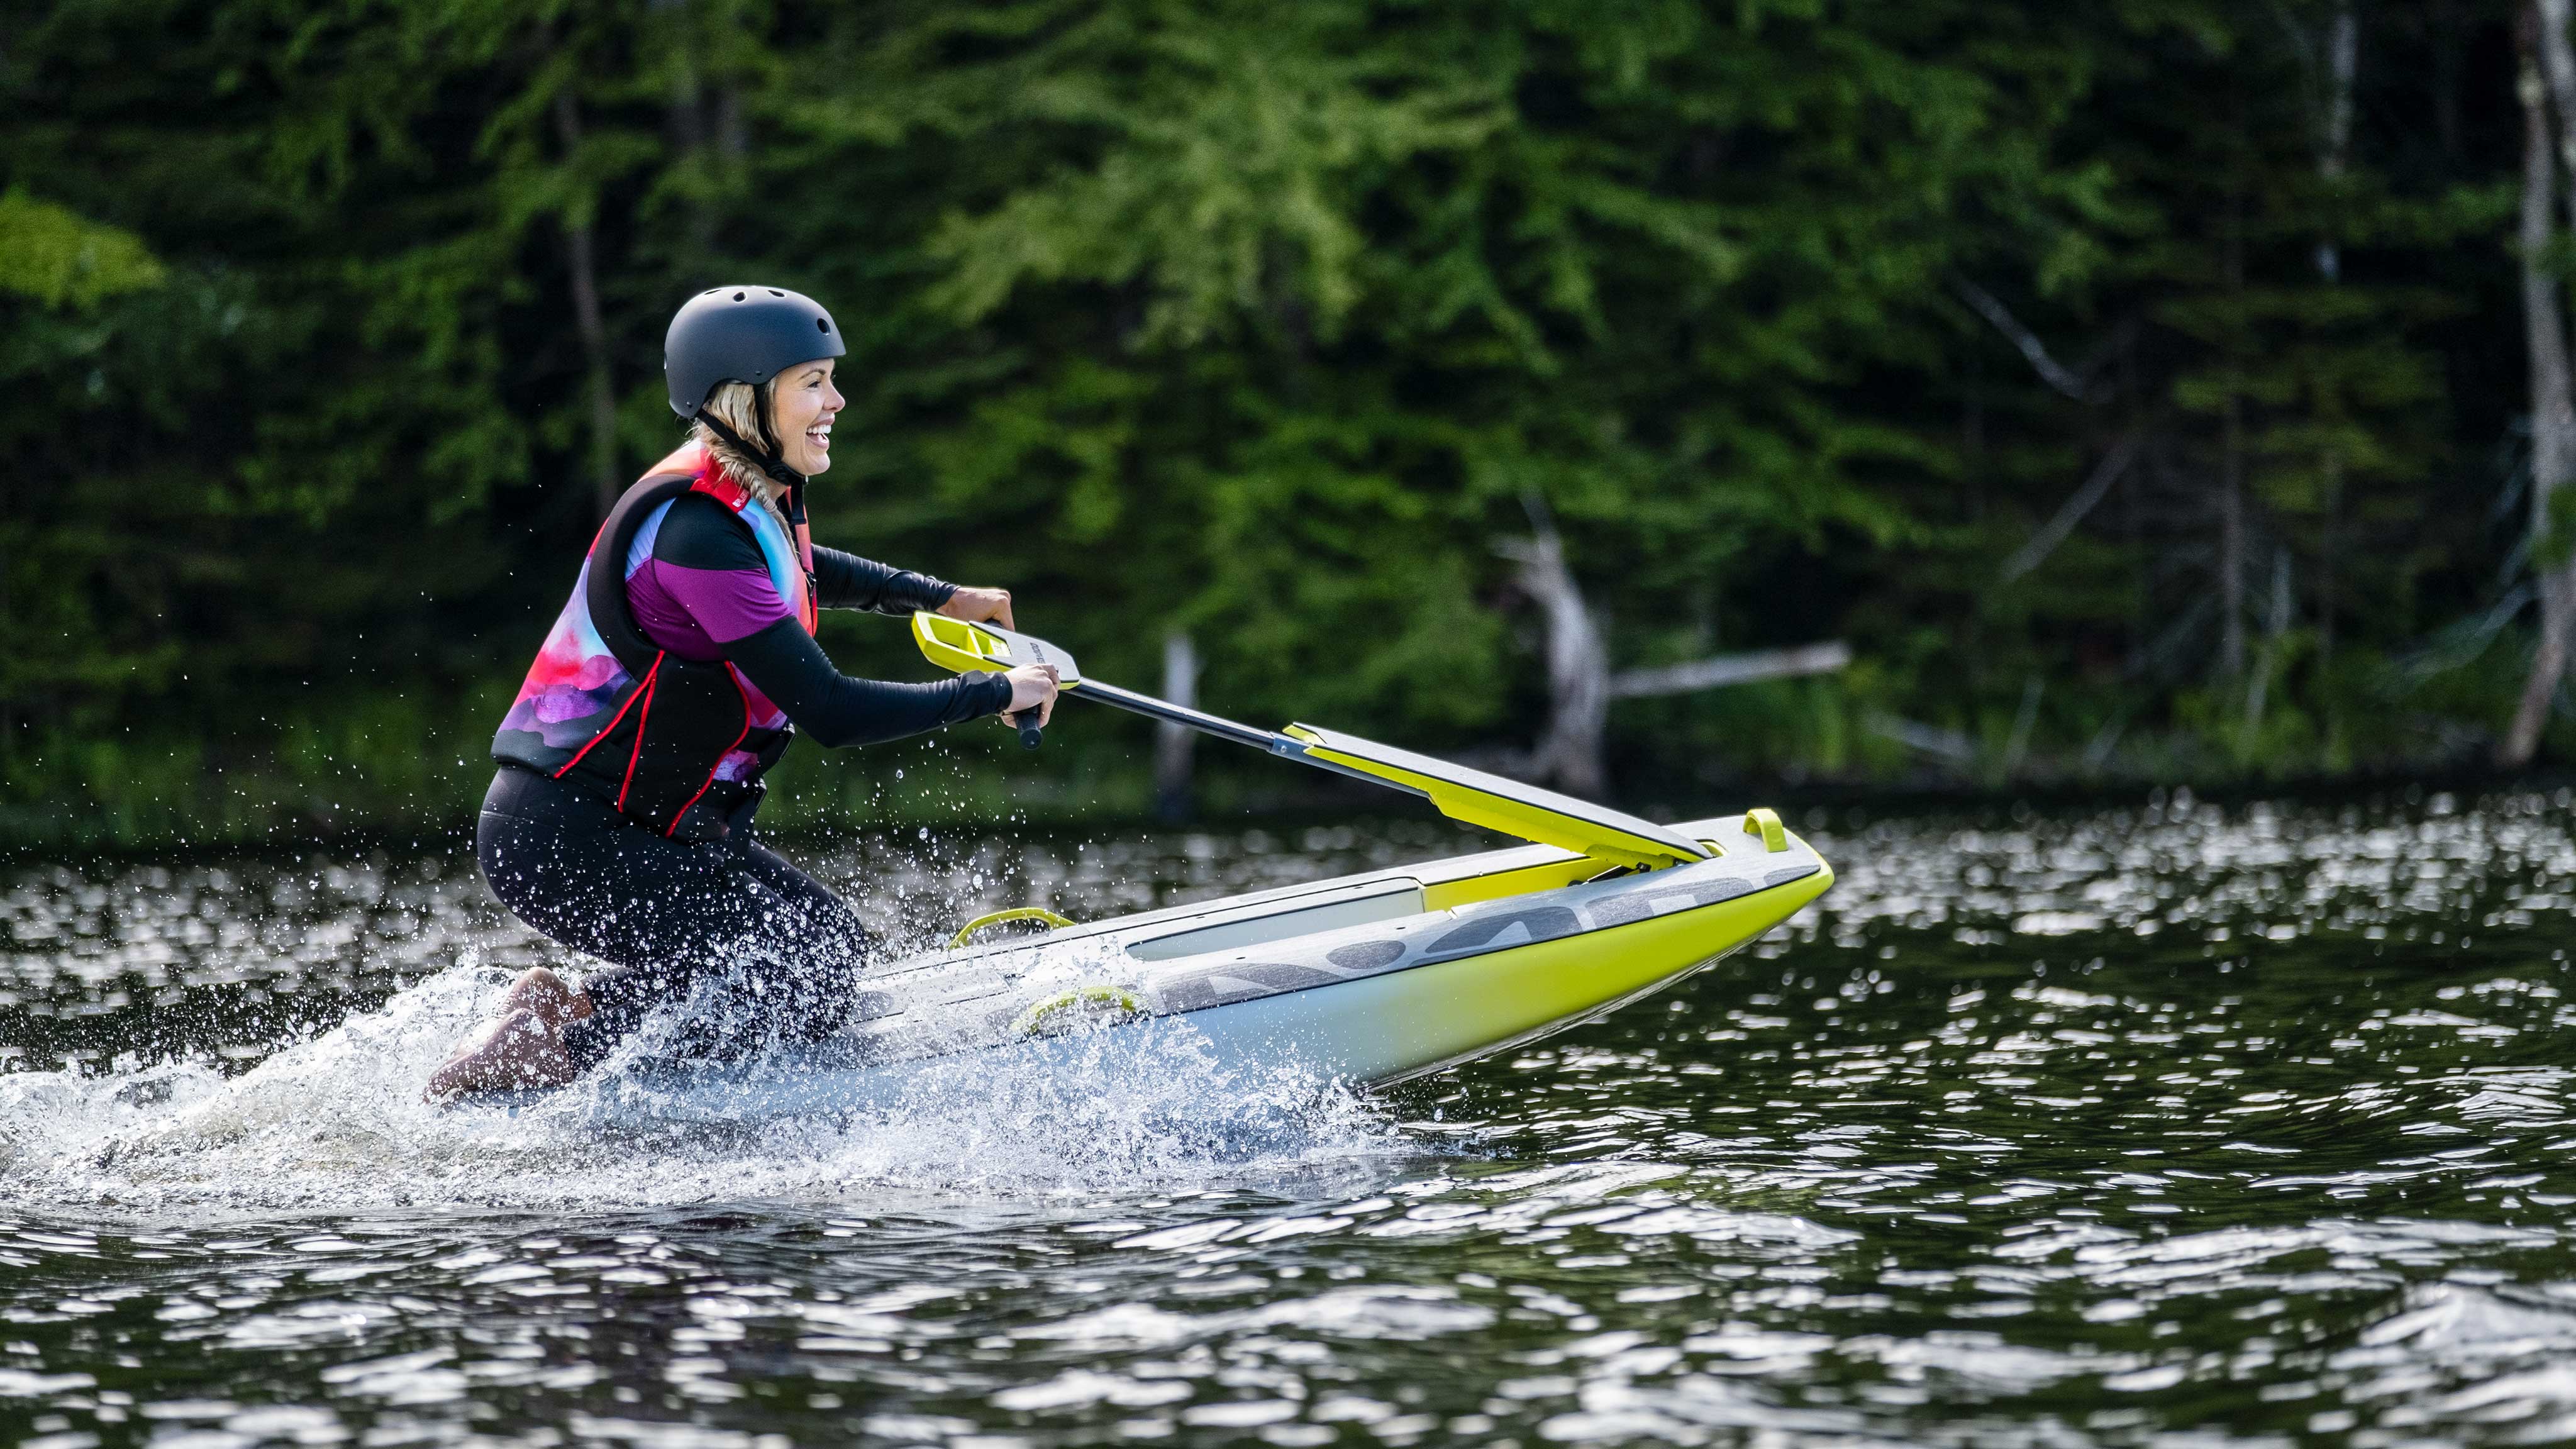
(1724, 669)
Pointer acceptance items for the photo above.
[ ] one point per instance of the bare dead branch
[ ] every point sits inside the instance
(2050, 370)
(2070, 513)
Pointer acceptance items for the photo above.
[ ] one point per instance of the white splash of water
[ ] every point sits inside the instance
(338, 1123)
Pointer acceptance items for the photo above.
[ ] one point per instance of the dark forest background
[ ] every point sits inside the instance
(2139, 389)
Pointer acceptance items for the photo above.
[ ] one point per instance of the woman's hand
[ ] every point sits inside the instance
(979, 606)
(1032, 684)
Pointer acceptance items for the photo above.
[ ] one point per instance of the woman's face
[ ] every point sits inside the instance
(802, 403)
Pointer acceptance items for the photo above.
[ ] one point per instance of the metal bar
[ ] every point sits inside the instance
(1265, 741)
(1152, 708)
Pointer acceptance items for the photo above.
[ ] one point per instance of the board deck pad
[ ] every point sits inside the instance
(1512, 807)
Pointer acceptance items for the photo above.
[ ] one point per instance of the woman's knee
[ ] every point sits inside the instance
(524, 867)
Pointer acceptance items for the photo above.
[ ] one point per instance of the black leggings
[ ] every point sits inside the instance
(779, 955)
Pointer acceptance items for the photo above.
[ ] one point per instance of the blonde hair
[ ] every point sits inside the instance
(738, 406)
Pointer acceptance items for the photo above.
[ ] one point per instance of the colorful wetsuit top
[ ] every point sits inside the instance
(675, 727)
(702, 586)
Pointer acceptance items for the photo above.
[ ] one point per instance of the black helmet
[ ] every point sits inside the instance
(741, 334)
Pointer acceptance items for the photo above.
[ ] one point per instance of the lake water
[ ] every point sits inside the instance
(2172, 1125)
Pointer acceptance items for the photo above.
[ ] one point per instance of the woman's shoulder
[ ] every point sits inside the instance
(702, 533)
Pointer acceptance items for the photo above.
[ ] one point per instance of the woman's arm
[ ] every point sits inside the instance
(708, 589)
(847, 581)
(783, 662)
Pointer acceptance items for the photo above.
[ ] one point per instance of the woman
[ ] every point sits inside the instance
(619, 822)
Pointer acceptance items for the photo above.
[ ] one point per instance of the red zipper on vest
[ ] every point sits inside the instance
(610, 728)
(812, 617)
(651, 677)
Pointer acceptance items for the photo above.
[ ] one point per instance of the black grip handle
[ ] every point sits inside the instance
(1027, 722)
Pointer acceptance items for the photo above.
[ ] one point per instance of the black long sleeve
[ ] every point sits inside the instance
(699, 536)
(847, 581)
(837, 710)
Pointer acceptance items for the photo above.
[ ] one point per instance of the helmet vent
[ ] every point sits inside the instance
(822, 326)
(776, 293)
(737, 296)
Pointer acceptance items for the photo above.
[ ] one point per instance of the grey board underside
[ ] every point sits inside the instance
(1501, 927)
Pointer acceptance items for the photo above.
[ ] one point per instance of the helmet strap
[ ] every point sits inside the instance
(779, 473)
(768, 459)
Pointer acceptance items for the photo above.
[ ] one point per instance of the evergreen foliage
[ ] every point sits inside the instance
(325, 326)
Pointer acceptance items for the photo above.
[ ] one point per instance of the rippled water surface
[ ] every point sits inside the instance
(2176, 1125)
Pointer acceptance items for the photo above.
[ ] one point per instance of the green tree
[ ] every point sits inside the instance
(333, 326)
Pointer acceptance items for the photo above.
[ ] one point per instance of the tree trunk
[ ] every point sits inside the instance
(2334, 153)
(1172, 743)
(2231, 469)
(2553, 413)
(2276, 623)
(1578, 669)
(2558, 68)
(689, 122)
(2449, 122)
(605, 482)
(2231, 543)
(2334, 127)
(2329, 544)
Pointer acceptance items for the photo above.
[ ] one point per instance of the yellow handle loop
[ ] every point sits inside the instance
(1766, 823)
(1015, 913)
(1053, 1011)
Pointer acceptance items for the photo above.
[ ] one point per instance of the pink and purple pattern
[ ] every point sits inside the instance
(575, 678)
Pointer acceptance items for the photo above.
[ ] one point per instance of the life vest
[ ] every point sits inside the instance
(677, 745)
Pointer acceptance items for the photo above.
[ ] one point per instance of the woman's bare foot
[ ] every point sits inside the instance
(523, 1046)
(543, 992)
